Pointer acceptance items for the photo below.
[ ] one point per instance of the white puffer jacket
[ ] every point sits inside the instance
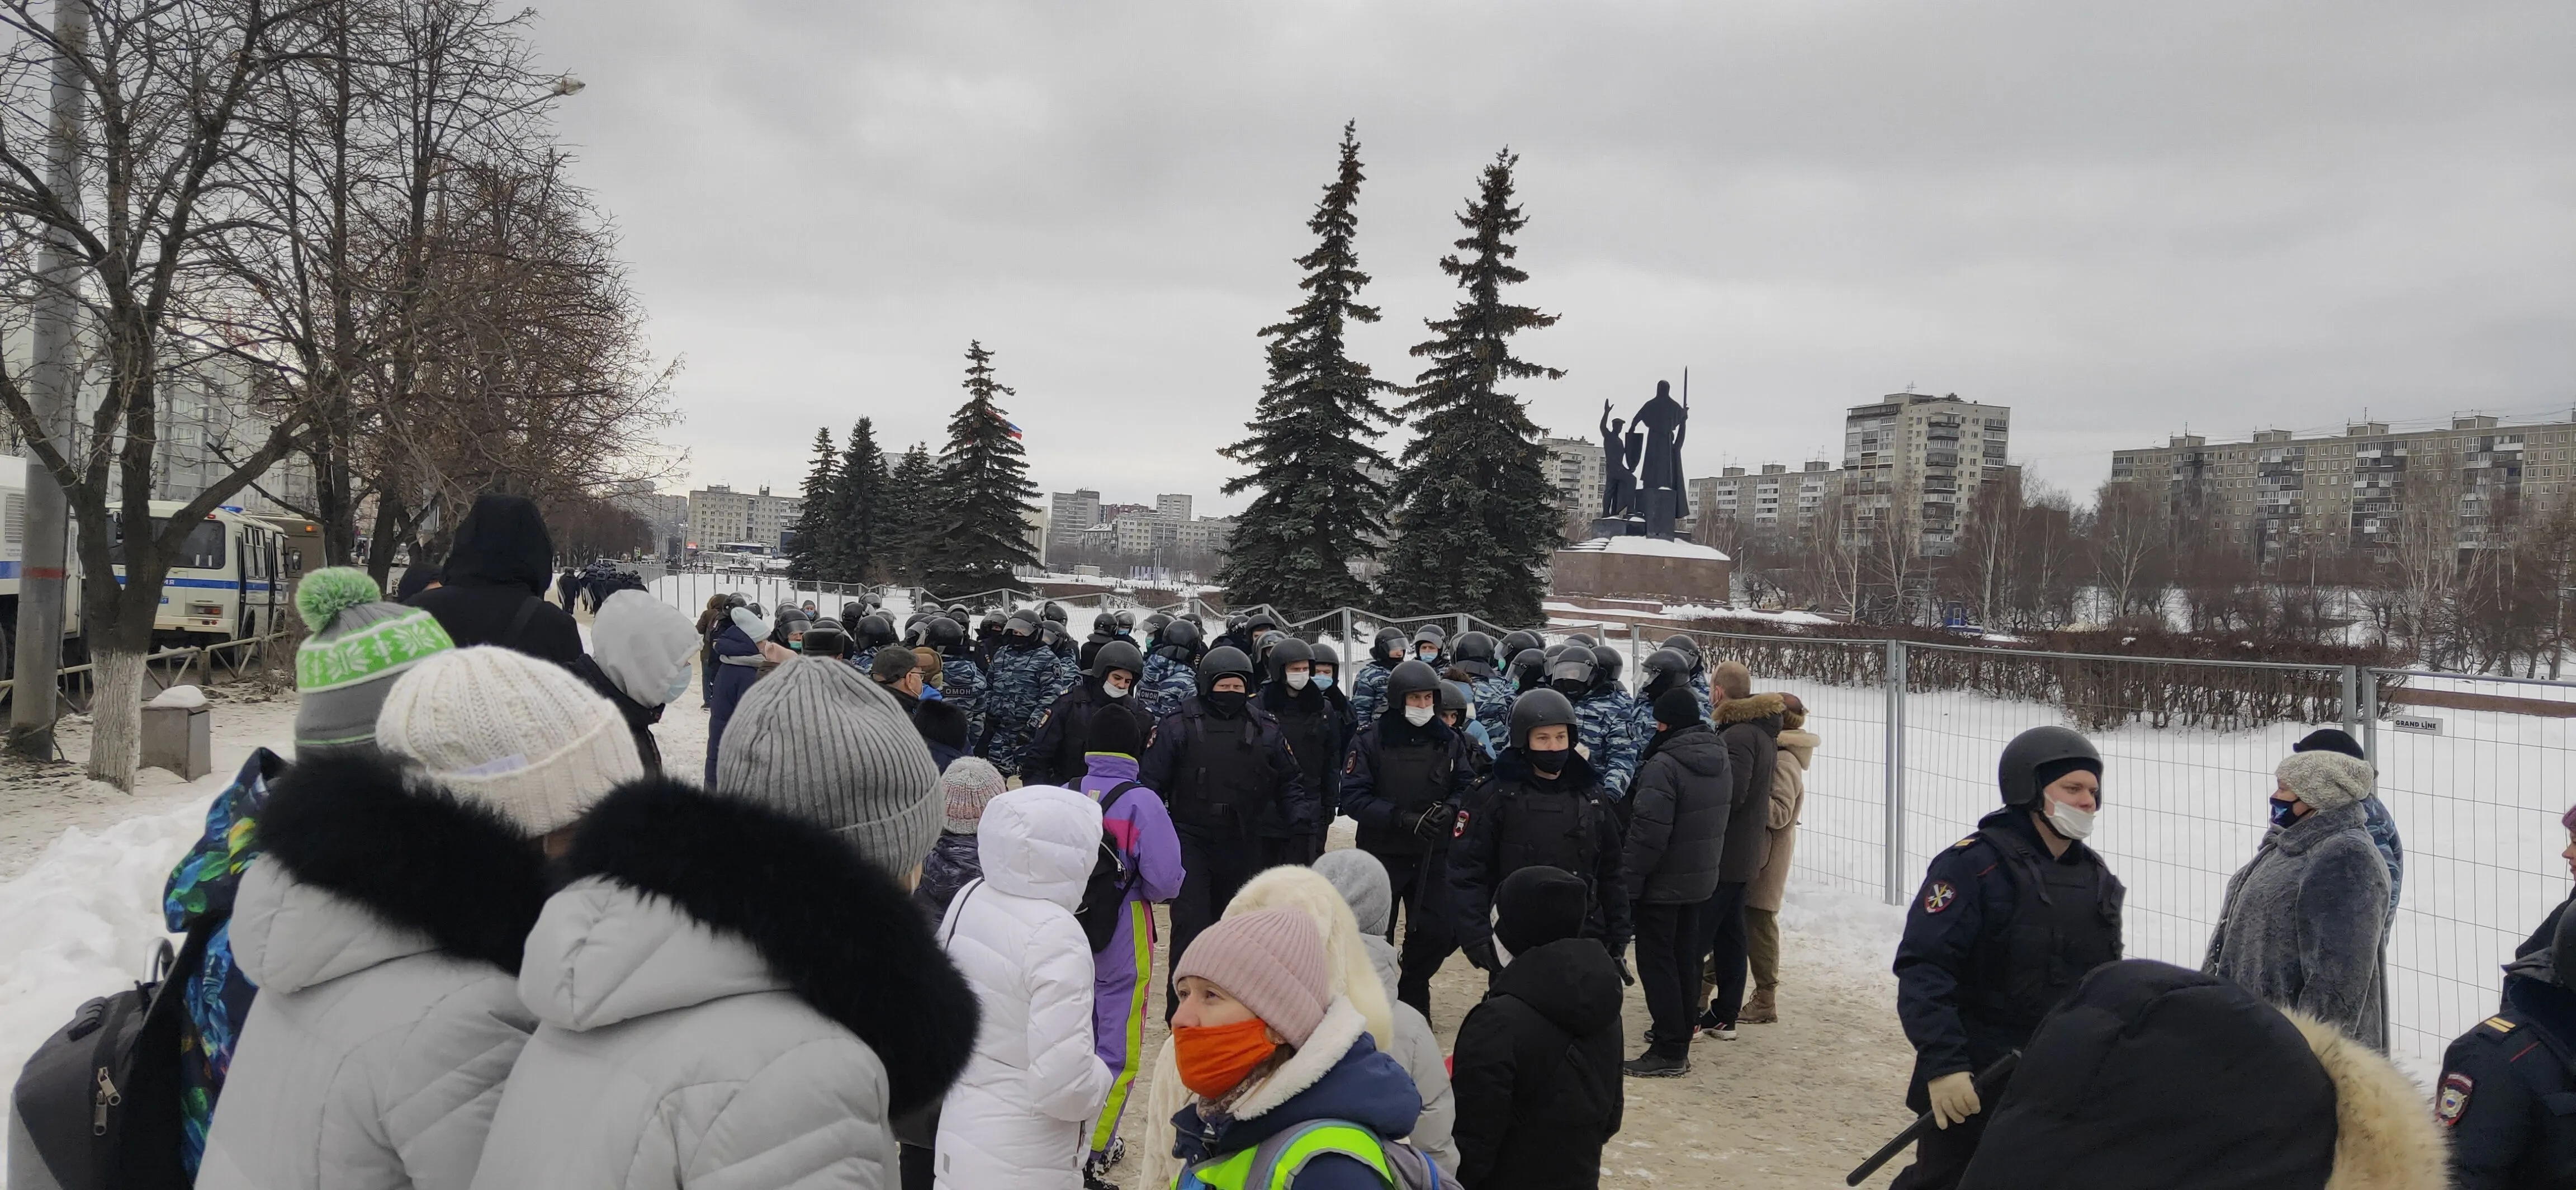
(1015, 1118)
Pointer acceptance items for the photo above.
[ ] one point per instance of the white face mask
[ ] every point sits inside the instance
(1426, 652)
(2069, 821)
(1297, 681)
(1113, 690)
(679, 686)
(1417, 716)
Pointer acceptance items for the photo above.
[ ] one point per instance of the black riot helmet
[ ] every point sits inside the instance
(1153, 624)
(988, 627)
(961, 613)
(875, 630)
(1537, 709)
(1662, 670)
(1474, 653)
(825, 638)
(852, 612)
(1388, 648)
(1585, 639)
(942, 633)
(1118, 654)
(1683, 644)
(1410, 677)
(1052, 613)
(1221, 661)
(1281, 651)
(1433, 635)
(1529, 671)
(1570, 669)
(1179, 640)
(1117, 623)
(1517, 640)
(2017, 773)
(1323, 654)
(1453, 701)
(1606, 664)
(1021, 623)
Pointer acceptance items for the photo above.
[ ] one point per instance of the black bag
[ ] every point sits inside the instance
(97, 1106)
(1104, 896)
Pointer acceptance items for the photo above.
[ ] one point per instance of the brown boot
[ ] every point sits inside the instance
(1759, 1009)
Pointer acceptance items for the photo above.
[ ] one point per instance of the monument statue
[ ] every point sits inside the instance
(1642, 467)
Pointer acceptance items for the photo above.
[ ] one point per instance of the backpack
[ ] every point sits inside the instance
(97, 1106)
(1104, 895)
(1276, 1161)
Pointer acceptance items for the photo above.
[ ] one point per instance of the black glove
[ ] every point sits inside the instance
(1626, 976)
(1434, 819)
(1482, 955)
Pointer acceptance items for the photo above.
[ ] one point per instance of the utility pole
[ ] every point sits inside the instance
(41, 586)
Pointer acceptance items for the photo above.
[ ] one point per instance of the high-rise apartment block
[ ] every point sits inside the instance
(1770, 497)
(1913, 463)
(720, 515)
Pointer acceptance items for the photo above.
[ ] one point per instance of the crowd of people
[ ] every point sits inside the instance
(900, 931)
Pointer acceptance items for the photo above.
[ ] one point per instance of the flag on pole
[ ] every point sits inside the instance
(1007, 425)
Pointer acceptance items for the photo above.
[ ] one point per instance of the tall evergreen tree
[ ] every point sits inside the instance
(907, 529)
(812, 554)
(1475, 516)
(984, 491)
(858, 501)
(1309, 442)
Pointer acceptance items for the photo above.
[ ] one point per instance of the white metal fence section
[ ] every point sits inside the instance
(2189, 748)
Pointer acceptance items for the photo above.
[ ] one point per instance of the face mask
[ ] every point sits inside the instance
(1572, 688)
(1113, 690)
(1323, 681)
(679, 686)
(1227, 703)
(1417, 716)
(1298, 681)
(2069, 821)
(1426, 653)
(2284, 813)
(1547, 762)
(1216, 1059)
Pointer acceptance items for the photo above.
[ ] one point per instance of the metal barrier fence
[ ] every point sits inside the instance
(2473, 771)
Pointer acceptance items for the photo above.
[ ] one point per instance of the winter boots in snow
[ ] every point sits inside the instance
(1761, 1008)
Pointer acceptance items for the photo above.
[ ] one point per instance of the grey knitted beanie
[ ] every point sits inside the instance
(816, 740)
(358, 646)
(2326, 780)
(1361, 880)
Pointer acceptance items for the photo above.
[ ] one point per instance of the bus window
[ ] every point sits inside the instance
(202, 550)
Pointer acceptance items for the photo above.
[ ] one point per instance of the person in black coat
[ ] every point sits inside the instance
(495, 584)
(1536, 1067)
(1751, 732)
(2502, 1081)
(943, 727)
(1678, 812)
(1402, 781)
(1221, 764)
(1313, 725)
(1543, 807)
(1054, 755)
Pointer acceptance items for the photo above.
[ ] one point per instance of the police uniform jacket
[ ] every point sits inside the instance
(1515, 819)
(1220, 776)
(1055, 756)
(1999, 933)
(1394, 771)
(2508, 1093)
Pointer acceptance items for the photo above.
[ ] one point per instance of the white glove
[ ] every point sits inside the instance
(1954, 1098)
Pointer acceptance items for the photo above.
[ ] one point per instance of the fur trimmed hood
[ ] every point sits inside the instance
(1750, 709)
(2384, 1139)
(1800, 743)
(1338, 1074)
(360, 827)
(823, 922)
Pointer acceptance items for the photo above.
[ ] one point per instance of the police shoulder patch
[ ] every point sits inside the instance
(1939, 895)
(2454, 1098)
(1459, 831)
(1964, 844)
(2500, 1025)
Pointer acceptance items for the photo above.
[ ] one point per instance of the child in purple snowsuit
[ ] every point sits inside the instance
(1136, 821)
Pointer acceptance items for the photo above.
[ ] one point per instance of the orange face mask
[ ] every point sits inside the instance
(1214, 1059)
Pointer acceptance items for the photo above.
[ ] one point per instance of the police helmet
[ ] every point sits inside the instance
(1453, 699)
(1517, 640)
(1324, 654)
(1571, 668)
(875, 630)
(940, 632)
(1473, 646)
(1282, 651)
(825, 638)
(1388, 646)
(853, 611)
(1539, 708)
(1410, 677)
(1021, 623)
(1153, 624)
(1118, 654)
(1431, 634)
(1585, 639)
(1662, 670)
(1529, 668)
(1053, 612)
(2017, 772)
(1606, 664)
(1221, 661)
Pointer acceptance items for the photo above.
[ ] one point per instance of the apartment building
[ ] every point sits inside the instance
(719, 514)
(1574, 469)
(1914, 462)
(1769, 497)
(2266, 493)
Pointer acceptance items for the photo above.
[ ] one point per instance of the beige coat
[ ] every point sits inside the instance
(1788, 796)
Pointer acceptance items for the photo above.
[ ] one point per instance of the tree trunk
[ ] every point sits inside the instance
(116, 715)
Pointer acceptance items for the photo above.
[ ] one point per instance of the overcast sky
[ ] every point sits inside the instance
(2117, 219)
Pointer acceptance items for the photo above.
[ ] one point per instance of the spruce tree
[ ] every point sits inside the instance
(858, 500)
(984, 491)
(812, 554)
(907, 529)
(1475, 516)
(1309, 442)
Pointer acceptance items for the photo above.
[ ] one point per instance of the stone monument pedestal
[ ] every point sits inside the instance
(1636, 567)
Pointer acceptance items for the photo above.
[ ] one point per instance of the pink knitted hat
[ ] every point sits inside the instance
(1271, 960)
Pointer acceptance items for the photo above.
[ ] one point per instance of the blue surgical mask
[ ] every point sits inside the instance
(679, 686)
(2284, 813)
(1323, 681)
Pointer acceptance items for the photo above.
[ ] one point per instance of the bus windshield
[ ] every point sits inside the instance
(203, 550)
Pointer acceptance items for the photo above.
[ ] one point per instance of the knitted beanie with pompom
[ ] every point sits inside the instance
(358, 645)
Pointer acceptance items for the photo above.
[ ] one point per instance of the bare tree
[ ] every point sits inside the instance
(2127, 541)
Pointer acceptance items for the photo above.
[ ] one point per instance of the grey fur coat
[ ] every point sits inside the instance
(2302, 919)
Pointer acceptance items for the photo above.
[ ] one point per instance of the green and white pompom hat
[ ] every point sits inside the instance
(359, 645)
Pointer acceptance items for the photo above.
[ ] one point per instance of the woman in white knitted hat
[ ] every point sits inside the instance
(384, 923)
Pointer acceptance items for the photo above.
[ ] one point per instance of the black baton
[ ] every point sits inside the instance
(1988, 1084)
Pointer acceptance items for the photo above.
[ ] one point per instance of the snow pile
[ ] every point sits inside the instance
(186, 697)
(1650, 546)
(84, 922)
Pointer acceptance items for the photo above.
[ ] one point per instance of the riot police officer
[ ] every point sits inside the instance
(1543, 805)
(1368, 687)
(2008, 920)
(1403, 780)
(1055, 756)
(1222, 765)
(1313, 724)
(2502, 1081)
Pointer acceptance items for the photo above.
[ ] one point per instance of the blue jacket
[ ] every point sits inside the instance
(216, 997)
(731, 681)
(1362, 1087)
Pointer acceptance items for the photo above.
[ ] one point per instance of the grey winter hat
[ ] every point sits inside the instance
(1361, 880)
(816, 740)
(359, 645)
(2325, 780)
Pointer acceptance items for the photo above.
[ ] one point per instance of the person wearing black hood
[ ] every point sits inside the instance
(1313, 724)
(1403, 780)
(1542, 807)
(2502, 1081)
(1108, 688)
(495, 582)
(1222, 765)
(2007, 921)
(1536, 1068)
(1678, 813)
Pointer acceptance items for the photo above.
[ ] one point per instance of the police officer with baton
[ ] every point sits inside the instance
(2008, 921)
